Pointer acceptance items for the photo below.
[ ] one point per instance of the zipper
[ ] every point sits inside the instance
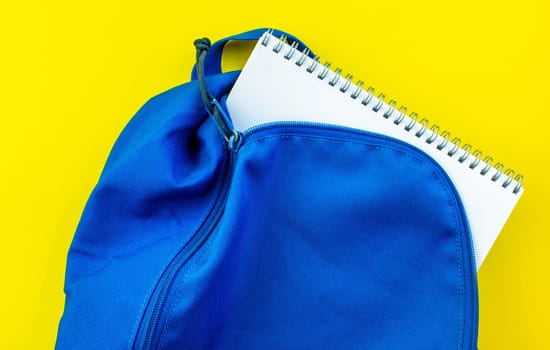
(234, 142)
(469, 240)
(158, 300)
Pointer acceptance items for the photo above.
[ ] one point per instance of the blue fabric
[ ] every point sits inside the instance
(305, 237)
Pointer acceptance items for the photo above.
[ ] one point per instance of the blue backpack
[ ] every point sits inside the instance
(288, 235)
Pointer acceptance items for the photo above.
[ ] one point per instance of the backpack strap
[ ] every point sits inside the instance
(213, 60)
(213, 107)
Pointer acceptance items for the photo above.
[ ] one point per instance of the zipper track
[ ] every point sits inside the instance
(188, 250)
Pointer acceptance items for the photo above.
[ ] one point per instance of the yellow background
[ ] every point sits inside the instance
(73, 73)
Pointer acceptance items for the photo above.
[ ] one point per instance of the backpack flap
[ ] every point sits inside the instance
(328, 239)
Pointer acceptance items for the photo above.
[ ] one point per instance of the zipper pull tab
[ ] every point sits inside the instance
(213, 107)
(235, 141)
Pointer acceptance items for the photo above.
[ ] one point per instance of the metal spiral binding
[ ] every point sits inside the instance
(466, 156)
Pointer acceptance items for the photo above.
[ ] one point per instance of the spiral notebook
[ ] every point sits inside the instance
(288, 85)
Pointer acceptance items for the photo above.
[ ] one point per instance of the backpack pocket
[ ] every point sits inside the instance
(328, 238)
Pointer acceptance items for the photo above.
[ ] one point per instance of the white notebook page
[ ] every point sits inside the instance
(285, 91)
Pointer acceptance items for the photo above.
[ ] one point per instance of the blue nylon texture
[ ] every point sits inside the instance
(327, 239)
(154, 191)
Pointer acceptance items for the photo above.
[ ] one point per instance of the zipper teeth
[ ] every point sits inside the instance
(186, 252)
(326, 126)
(317, 125)
(474, 277)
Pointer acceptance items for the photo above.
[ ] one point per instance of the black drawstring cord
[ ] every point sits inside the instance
(211, 104)
(202, 46)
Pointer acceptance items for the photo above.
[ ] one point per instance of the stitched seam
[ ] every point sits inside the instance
(458, 249)
(151, 289)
